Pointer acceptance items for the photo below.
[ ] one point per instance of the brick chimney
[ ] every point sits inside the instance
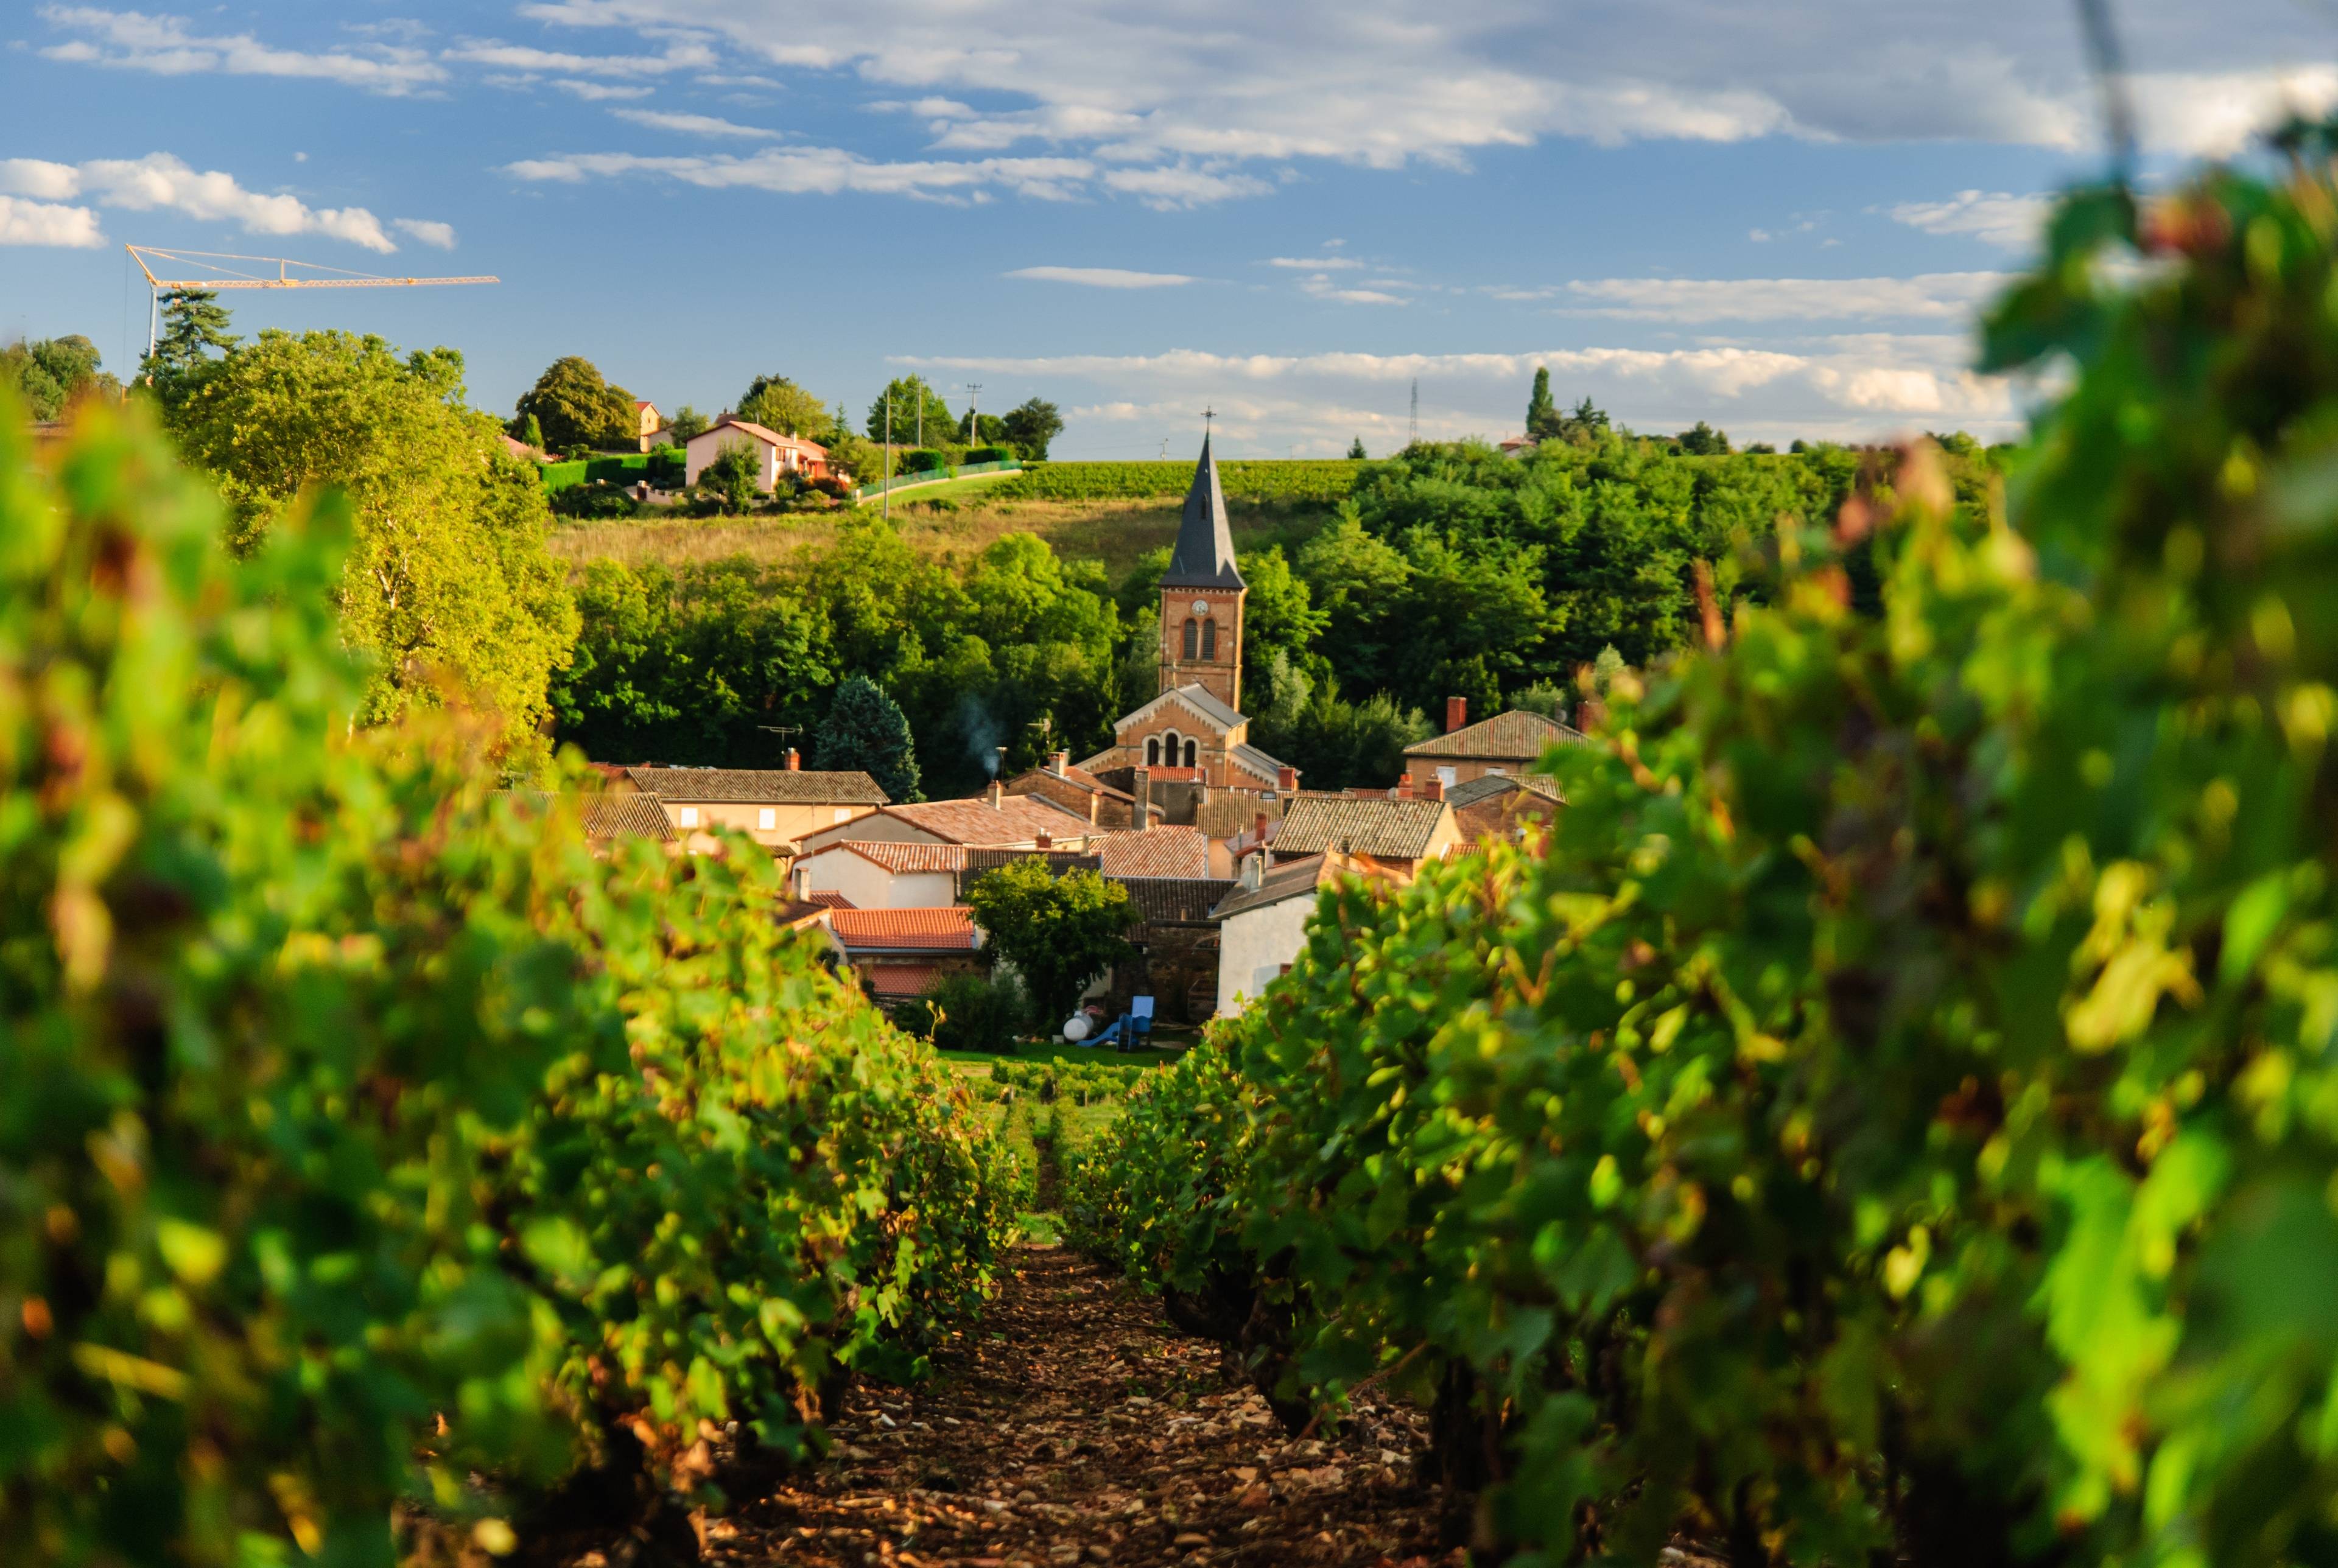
(1141, 786)
(1286, 779)
(1046, 841)
(998, 796)
(1404, 787)
(1457, 714)
(1433, 790)
(1258, 828)
(795, 763)
(1059, 762)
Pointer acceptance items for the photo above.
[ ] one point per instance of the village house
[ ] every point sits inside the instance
(648, 423)
(778, 807)
(995, 821)
(1508, 745)
(1262, 919)
(775, 455)
(1080, 792)
(608, 820)
(901, 954)
(1394, 837)
(880, 874)
(1498, 807)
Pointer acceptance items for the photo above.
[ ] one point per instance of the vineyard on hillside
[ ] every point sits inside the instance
(1262, 482)
(1896, 1119)
(382, 1175)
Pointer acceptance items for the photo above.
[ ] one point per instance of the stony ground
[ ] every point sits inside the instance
(1073, 1424)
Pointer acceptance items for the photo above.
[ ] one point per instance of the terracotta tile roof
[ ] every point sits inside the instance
(1072, 774)
(606, 816)
(1015, 819)
(1176, 900)
(944, 930)
(1494, 784)
(904, 981)
(1176, 851)
(761, 786)
(1291, 879)
(831, 900)
(765, 434)
(904, 859)
(1516, 736)
(1390, 830)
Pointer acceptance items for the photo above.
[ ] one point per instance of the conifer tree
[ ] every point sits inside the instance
(867, 730)
(1542, 414)
(194, 323)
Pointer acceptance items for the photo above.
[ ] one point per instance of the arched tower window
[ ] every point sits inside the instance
(1208, 639)
(1153, 752)
(1189, 754)
(1192, 638)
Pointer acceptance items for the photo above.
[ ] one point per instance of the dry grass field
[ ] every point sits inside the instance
(1113, 532)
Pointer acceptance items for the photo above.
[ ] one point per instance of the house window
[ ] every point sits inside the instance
(689, 816)
(1192, 638)
(1208, 639)
(768, 818)
(1189, 754)
(1153, 752)
(1446, 776)
(844, 814)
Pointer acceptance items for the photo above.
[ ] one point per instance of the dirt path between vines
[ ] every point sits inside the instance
(1074, 1424)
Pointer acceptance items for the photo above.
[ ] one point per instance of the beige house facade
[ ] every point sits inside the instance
(778, 809)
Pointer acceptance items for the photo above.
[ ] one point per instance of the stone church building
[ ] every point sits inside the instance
(1193, 734)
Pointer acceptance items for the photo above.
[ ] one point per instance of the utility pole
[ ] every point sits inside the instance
(973, 418)
(921, 416)
(1412, 435)
(887, 503)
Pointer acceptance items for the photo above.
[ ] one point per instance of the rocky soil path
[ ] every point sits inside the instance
(1074, 1424)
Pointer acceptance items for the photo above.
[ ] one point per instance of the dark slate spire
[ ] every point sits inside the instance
(1205, 556)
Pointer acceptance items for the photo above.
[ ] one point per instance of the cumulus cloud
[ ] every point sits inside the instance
(1316, 263)
(24, 222)
(693, 124)
(490, 52)
(1995, 218)
(427, 232)
(161, 182)
(601, 92)
(169, 46)
(1839, 387)
(1939, 296)
(1102, 277)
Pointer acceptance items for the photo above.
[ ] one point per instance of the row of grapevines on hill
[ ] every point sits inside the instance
(1286, 481)
(367, 1148)
(1898, 1116)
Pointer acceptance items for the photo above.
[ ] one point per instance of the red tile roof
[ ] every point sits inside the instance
(904, 859)
(1176, 851)
(831, 900)
(1516, 736)
(1015, 819)
(945, 930)
(903, 980)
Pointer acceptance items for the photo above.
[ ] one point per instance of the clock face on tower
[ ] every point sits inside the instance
(1201, 607)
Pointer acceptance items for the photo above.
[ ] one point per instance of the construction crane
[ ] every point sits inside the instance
(339, 278)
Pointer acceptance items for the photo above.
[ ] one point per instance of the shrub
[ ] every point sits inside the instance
(990, 455)
(559, 476)
(977, 1013)
(921, 460)
(593, 501)
(366, 1141)
(1892, 1121)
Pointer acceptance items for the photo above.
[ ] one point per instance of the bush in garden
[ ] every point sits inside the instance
(364, 1142)
(1894, 1120)
(977, 1013)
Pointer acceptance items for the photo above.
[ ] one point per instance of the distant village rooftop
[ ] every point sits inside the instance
(758, 786)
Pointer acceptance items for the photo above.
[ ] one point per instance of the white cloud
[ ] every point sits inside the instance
(427, 232)
(693, 124)
(1102, 277)
(1840, 387)
(2215, 114)
(822, 171)
(1316, 263)
(676, 56)
(162, 182)
(601, 92)
(24, 222)
(1321, 287)
(1181, 187)
(1995, 218)
(1937, 296)
(167, 46)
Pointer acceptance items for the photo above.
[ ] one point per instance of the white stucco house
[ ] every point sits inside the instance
(1263, 924)
(882, 875)
(775, 453)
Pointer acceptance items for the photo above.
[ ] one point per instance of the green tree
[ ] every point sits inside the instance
(992, 431)
(1542, 414)
(1058, 933)
(1702, 440)
(576, 408)
(686, 423)
(735, 476)
(193, 324)
(55, 373)
(867, 730)
(1030, 426)
(776, 403)
(447, 585)
(1356, 453)
(911, 399)
(530, 432)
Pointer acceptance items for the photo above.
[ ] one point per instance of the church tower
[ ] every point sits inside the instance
(1202, 595)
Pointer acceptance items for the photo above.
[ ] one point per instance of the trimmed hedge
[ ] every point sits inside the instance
(663, 466)
(1268, 481)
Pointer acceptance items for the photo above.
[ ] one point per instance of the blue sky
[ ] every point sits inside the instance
(1777, 217)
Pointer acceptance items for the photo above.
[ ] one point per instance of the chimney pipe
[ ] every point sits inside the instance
(1060, 762)
(795, 763)
(1457, 714)
(1141, 786)
(998, 796)
(1433, 790)
(1286, 779)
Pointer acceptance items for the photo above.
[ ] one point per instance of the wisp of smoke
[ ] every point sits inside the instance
(981, 731)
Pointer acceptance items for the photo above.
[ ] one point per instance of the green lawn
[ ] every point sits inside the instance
(903, 493)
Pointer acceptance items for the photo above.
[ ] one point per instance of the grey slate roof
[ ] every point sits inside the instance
(606, 816)
(1291, 879)
(1493, 784)
(758, 786)
(1205, 556)
(1205, 702)
(1390, 829)
(1516, 736)
(1267, 767)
